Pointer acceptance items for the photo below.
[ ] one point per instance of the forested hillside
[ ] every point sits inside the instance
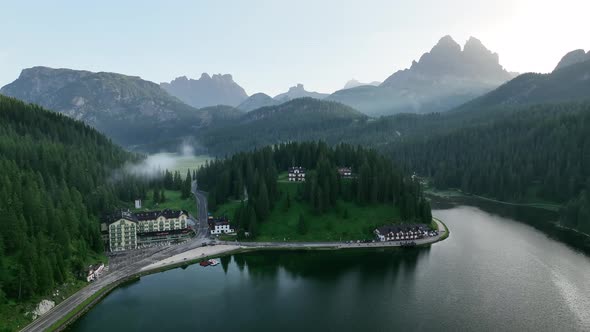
(538, 153)
(564, 84)
(53, 185)
(378, 181)
(133, 112)
(297, 120)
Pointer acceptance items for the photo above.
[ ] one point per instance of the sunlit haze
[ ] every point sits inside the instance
(269, 46)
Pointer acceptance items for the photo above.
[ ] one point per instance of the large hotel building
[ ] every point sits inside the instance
(127, 230)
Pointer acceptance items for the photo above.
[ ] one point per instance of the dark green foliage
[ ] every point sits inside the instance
(185, 189)
(301, 225)
(378, 183)
(129, 110)
(538, 153)
(298, 119)
(53, 184)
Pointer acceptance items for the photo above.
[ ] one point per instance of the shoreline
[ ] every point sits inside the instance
(195, 255)
(449, 193)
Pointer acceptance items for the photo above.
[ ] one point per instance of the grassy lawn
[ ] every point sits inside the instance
(347, 222)
(183, 163)
(173, 201)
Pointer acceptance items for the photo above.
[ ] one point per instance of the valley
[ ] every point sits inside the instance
(304, 166)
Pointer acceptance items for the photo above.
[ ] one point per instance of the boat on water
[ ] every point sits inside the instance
(209, 262)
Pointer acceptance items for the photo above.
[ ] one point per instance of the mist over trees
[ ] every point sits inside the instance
(58, 178)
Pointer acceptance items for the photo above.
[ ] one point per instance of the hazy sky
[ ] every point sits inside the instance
(270, 45)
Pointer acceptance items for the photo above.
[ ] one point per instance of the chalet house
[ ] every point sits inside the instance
(401, 232)
(345, 172)
(296, 174)
(220, 226)
(94, 272)
(128, 230)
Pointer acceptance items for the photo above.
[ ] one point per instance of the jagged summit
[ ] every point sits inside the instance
(447, 58)
(218, 89)
(442, 78)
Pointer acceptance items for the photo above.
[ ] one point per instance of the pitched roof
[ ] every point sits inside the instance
(401, 228)
(144, 215)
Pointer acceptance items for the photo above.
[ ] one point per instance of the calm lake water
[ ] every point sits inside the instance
(492, 274)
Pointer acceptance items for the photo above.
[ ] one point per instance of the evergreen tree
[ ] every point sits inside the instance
(262, 202)
(301, 225)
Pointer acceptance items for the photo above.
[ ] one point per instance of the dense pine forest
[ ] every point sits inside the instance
(255, 174)
(54, 185)
(538, 153)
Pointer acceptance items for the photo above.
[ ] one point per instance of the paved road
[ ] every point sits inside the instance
(130, 263)
(202, 227)
(126, 264)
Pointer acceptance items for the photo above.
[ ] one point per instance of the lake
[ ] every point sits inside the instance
(492, 273)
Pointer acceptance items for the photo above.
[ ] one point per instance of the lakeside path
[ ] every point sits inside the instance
(442, 234)
(225, 247)
(151, 260)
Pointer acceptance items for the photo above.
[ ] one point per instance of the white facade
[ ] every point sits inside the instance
(123, 235)
(94, 272)
(123, 232)
(221, 228)
(161, 224)
(296, 174)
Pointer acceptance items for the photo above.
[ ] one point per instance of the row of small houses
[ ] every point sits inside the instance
(297, 174)
(403, 232)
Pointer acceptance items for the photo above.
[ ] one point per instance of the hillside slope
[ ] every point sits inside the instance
(569, 83)
(53, 185)
(298, 119)
(128, 109)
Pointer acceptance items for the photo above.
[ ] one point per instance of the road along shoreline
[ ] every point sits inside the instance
(64, 318)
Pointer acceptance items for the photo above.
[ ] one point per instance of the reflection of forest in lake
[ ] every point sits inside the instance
(544, 220)
(492, 273)
(328, 265)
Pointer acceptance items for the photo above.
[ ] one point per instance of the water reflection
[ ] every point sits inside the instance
(541, 219)
(331, 265)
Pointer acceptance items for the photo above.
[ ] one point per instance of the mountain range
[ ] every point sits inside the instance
(142, 115)
(129, 110)
(441, 79)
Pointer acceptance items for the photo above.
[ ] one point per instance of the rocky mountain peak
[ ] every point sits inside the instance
(298, 87)
(447, 59)
(298, 91)
(573, 57)
(218, 89)
(445, 46)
